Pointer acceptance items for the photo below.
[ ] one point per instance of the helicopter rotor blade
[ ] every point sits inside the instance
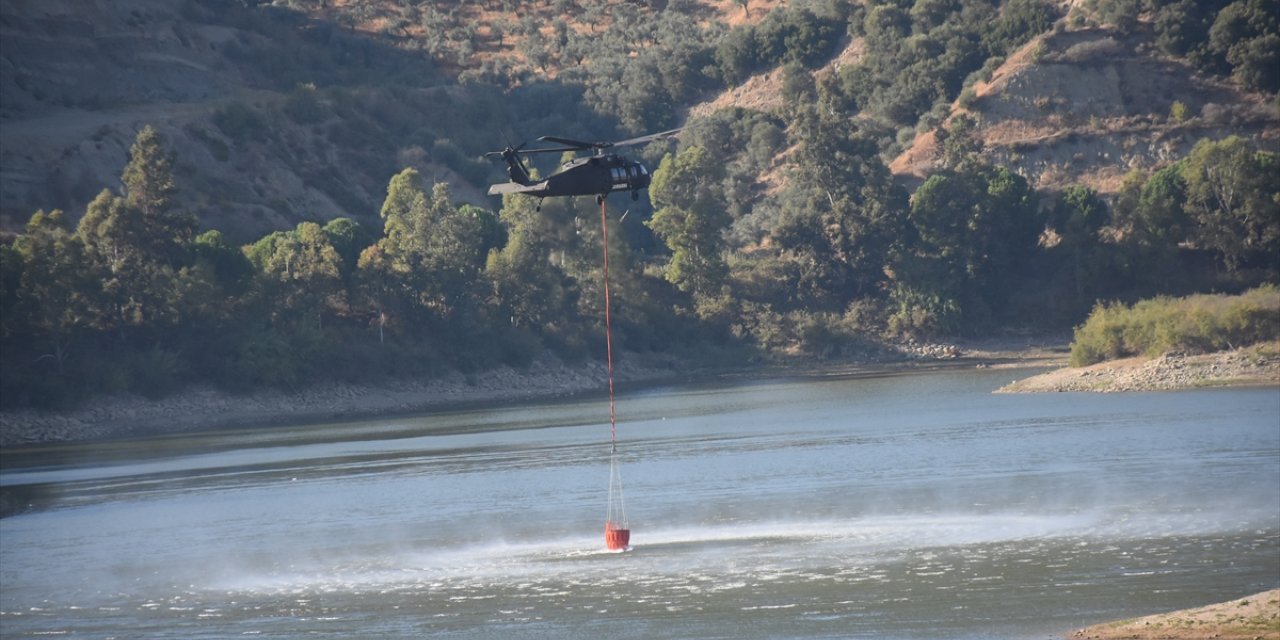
(548, 150)
(576, 144)
(646, 139)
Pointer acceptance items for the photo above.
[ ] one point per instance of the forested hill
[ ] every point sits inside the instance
(255, 193)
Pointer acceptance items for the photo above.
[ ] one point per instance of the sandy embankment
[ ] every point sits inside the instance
(1258, 365)
(1256, 617)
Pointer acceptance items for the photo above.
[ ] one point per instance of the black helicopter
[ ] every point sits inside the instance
(597, 174)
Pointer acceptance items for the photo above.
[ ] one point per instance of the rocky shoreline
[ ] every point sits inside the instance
(127, 415)
(1257, 365)
(1255, 617)
(198, 408)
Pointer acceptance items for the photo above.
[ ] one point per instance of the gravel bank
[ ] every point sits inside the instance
(548, 377)
(203, 407)
(1256, 617)
(1256, 365)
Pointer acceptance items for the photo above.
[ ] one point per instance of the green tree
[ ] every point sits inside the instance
(525, 288)
(1078, 215)
(348, 238)
(1161, 221)
(841, 216)
(1149, 216)
(691, 218)
(1181, 26)
(137, 242)
(529, 286)
(304, 272)
(1246, 35)
(148, 178)
(432, 250)
(228, 263)
(1233, 197)
(54, 285)
(136, 286)
(977, 230)
(959, 141)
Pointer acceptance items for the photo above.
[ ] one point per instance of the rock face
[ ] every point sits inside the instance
(1248, 366)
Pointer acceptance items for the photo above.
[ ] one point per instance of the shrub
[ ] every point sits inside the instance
(1199, 324)
(239, 121)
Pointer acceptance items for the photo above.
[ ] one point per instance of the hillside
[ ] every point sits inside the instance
(282, 115)
(274, 118)
(280, 194)
(1087, 105)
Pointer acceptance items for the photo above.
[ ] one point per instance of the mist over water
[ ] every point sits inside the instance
(913, 506)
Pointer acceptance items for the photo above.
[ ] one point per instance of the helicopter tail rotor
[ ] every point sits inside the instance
(511, 155)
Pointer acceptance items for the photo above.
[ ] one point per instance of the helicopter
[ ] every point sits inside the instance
(597, 174)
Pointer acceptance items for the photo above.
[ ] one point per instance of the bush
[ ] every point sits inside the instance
(239, 121)
(1197, 324)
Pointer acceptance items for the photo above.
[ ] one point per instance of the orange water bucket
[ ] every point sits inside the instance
(616, 539)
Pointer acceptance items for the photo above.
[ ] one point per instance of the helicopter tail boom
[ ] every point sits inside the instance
(534, 189)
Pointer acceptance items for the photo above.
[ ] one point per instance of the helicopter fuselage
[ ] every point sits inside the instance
(596, 175)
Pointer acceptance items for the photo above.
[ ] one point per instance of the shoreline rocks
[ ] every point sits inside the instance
(203, 407)
(1255, 617)
(548, 377)
(1258, 365)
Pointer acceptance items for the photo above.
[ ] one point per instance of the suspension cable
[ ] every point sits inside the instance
(608, 328)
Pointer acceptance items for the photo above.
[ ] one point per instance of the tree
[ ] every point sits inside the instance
(1078, 214)
(842, 214)
(690, 218)
(229, 265)
(54, 282)
(305, 272)
(977, 229)
(885, 26)
(1246, 35)
(136, 286)
(524, 285)
(1161, 220)
(348, 238)
(1233, 197)
(1180, 27)
(136, 243)
(959, 141)
(148, 178)
(430, 249)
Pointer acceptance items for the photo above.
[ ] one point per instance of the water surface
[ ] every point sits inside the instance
(915, 506)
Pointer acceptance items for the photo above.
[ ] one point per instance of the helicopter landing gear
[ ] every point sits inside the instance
(539, 207)
(600, 199)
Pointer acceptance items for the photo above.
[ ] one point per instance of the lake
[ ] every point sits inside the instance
(899, 507)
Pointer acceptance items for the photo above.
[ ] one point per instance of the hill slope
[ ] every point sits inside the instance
(280, 115)
(1086, 106)
(234, 92)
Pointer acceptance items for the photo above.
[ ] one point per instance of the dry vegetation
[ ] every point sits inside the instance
(1084, 105)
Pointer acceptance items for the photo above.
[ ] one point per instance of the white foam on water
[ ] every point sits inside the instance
(684, 555)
